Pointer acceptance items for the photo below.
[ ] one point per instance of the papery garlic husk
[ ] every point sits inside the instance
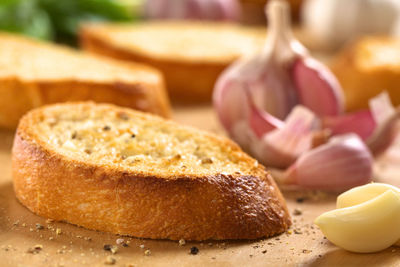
(281, 147)
(193, 9)
(282, 77)
(360, 122)
(377, 126)
(363, 122)
(387, 119)
(342, 163)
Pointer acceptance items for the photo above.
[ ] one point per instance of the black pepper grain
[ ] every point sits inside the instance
(107, 247)
(133, 135)
(106, 128)
(264, 251)
(194, 250)
(300, 199)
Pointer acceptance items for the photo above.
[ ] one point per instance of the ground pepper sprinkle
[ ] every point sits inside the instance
(194, 250)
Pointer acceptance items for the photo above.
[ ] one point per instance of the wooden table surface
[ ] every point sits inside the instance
(302, 245)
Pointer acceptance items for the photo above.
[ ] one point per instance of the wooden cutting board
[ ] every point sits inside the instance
(302, 245)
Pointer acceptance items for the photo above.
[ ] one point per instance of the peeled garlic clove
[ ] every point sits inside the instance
(317, 87)
(361, 123)
(280, 147)
(368, 227)
(340, 164)
(363, 194)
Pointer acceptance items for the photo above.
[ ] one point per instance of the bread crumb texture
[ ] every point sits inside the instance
(138, 142)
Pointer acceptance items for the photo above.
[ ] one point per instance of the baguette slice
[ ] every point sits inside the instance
(367, 67)
(116, 170)
(191, 55)
(34, 73)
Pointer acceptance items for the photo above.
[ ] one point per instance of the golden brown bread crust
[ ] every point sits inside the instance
(364, 72)
(187, 80)
(190, 207)
(18, 94)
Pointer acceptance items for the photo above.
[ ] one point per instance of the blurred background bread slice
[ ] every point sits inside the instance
(190, 54)
(367, 67)
(34, 73)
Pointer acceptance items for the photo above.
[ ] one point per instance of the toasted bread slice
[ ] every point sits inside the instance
(122, 171)
(367, 67)
(191, 55)
(34, 73)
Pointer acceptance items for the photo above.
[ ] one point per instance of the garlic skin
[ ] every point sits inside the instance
(361, 122)
(280, 147)
(365, 228)
(193, 9)
(340, 164)
(317, 88)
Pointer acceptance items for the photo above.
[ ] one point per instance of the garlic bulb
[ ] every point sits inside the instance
(333, 22)
(193, 9)
(282, 106)
(271, 85)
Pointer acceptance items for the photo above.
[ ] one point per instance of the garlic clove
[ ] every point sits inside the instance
(228, 102)
(317, 88)
(340, 164)
(361, 194)
(280, 147)
(368, 227)
(361, 123)
(261, 122)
